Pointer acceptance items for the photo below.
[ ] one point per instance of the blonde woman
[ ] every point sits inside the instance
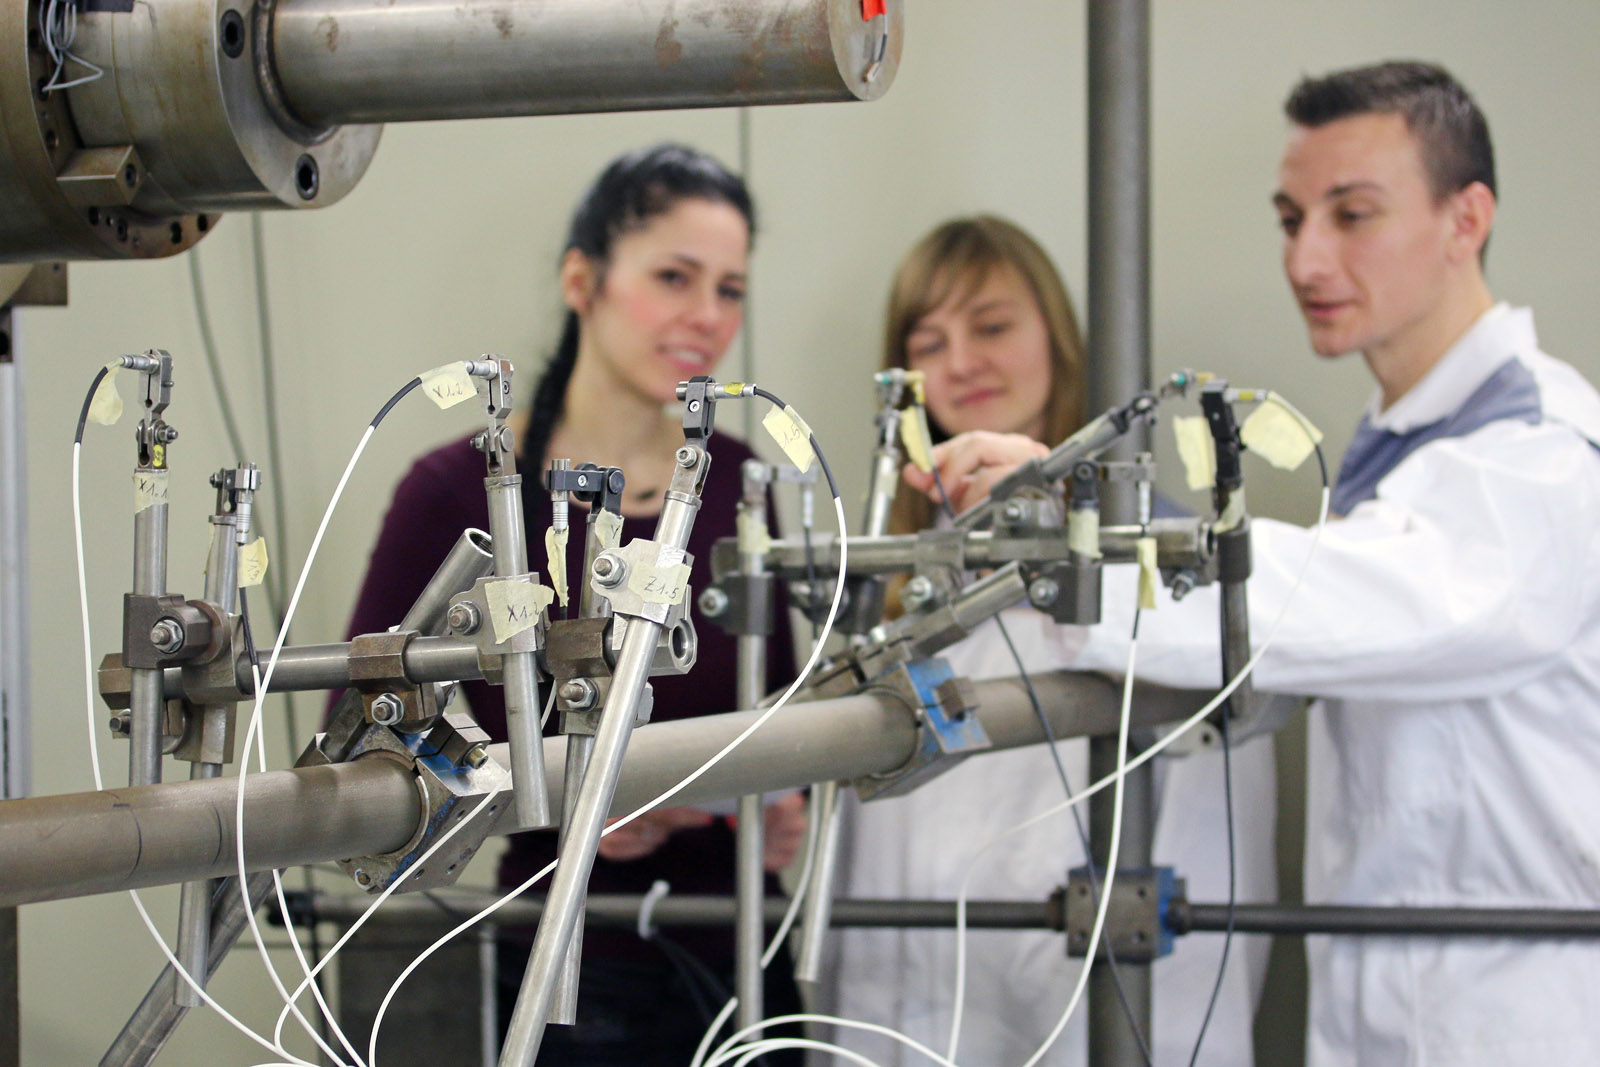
(979, 308)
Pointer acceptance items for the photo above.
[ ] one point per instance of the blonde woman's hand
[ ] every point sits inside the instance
(971, 464)
(649, 832)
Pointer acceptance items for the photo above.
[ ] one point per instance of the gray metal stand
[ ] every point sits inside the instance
(1119, 367)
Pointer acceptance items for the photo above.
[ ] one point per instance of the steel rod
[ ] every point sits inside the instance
(521, 679)
(749, 931)
(147, 704)
(349, 61)
(1118, 40)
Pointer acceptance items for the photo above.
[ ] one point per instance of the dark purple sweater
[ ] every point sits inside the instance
(440, 496)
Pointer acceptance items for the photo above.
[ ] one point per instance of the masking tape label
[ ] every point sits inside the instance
(252, 563)
(1149, 575)
(753, 536)
(1278, 437)
(1083, 532)
(1233, 514)
(555, 560)
(1196, 449)
(449, 385)
(665, 583)
(608, 529)
(149, 489)
(915, 436)
(792, 434)
(106, 407)
(514, 606)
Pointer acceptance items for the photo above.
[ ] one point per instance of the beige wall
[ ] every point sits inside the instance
(447, 249)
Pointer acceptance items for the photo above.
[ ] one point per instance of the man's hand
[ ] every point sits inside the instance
(971, 464)
(649, 832)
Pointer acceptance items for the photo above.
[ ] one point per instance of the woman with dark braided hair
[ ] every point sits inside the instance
(653, 279)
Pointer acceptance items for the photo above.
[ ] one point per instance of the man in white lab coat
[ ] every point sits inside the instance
(1450, 622)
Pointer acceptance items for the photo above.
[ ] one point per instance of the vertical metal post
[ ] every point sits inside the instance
(13, 655)
(147, 701)
(521, 681)
(750, 881)
(628, 680)
(1119, 367)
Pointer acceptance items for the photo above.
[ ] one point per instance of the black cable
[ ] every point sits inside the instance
(811, 582)
(833, 486)
(1066, 785)
(88, 398)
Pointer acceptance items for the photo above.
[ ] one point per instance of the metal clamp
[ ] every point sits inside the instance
(947, 729)
(624, 576)
(455, 776)
(1137, 928)
(388, 696)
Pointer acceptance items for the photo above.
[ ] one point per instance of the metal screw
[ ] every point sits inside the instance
(119, 724)
(480, 440)
(387, 709)
(1042, 592)
(463, 618)
(167, 635)
(1183, 584)
(362, 877)
(687, 458)
(583, 481)
(580, 693)
(713, 602)
(609, 569)
(694, 405)
(917, 592)
(476, 756)
(1015, 511)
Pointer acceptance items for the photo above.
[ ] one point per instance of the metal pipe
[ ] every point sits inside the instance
(57, 847)
(819, 903)
(84, 843)
(470, 558)
(146, 1032)
(597, 795)
(349, 61)
(622, 910)
(521, 680)
(532, 1011)
(1180, 543)
(750, 884)
(1119, 367)
(564, 999)
(147, 704)
(15, 743)
(1296, 920)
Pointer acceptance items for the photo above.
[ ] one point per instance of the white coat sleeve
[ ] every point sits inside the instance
(1474, 566)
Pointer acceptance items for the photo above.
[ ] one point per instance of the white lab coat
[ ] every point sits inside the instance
(1018, 982)
(1451, 625)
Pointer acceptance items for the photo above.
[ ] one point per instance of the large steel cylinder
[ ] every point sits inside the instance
(207, 106)
(354, 61)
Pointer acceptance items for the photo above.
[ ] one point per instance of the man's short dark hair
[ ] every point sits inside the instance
(1452, 134)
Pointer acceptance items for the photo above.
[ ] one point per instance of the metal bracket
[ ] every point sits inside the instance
(948, 729)
(1137, 926)
(388, 697)
(634, 579)
(455, 776)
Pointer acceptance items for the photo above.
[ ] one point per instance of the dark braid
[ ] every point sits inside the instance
(633, 189)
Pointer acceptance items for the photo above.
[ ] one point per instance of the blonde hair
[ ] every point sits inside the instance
(955, 259)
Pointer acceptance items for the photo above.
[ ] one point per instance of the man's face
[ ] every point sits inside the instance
(1365, 248)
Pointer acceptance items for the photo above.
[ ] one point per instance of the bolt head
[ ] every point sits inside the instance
(167, 635)
(1042, 592)
(387, 709)
(713, 602)
(687, 458)
(476, 756)
(917, 592)
(362, 877)
(579, 692)
(463, 618)
(608, 569)
(1015, 511)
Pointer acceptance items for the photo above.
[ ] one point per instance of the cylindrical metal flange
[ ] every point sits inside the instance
(236, 104)
(353, 61)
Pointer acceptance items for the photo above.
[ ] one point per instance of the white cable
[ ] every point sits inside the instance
(263, 684)
(812, 1017)
(94, 763)
(1144, 757)
(1111, 860)
(810, 664)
